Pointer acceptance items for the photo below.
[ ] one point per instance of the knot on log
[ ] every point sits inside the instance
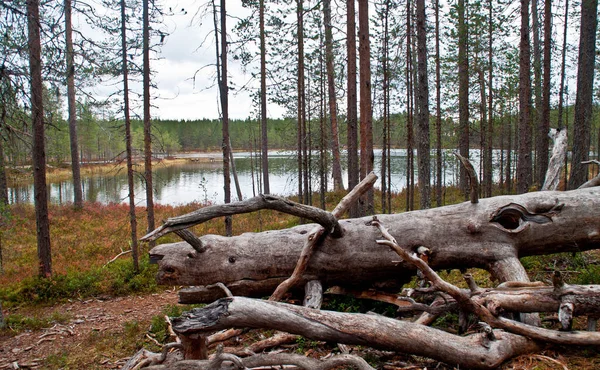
(514, 217)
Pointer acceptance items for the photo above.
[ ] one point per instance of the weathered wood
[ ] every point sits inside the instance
(313, 294)
(326, 219)
(557, 161)
(195, 346)
(491, 234)
(280, 360)
(360, 329)
(315, 237)
(473, 179)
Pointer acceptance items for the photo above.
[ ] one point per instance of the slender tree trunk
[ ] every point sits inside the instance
(463, 93)
(353, 169)
(490, 135)
(544, 123)
(483, 126)
(129, 150)
(39, 150)
(366, 116)
(585, 91)
(77, 192)
(225, 112)
(147, 124)
(423, 109)
(338, 183)
(263, 100)
(537, 84)
(3, 180)
(562, 68)
(385, 186)
(524, 162)
(438, 102)
(509, 155)
(409, 113)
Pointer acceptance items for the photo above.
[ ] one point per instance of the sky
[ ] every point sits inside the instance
(185, 74)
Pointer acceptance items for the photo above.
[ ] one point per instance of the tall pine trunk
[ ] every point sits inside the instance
(75, 168)
(352, 137)
(366, 116)
(263, 100)
(463, 93)
(423, 109)
(224, 92)
(544, 123)
(336, 167)
(128, 148)
(438, 108)
(39, 150)
(147, 124)
(537, 89)
(524, 162)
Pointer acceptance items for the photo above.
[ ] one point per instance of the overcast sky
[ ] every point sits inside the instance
(184, 56)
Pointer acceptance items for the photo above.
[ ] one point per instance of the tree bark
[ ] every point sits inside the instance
(75, 168)
(524, 162)
(338, 183)
(544, 122)
(463, 93)
(583, 100)
(352, 137)
(147, 123)
(423, 109)
(557, 161)
(263, 101)
(438, 114)
(129, 150)
(39, 150)
(537, 93)
(491, 234)
(366, 114)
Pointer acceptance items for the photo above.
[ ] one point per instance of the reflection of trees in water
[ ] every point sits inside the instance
(183, 183)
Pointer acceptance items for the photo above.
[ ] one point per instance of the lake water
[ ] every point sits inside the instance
(203, 182)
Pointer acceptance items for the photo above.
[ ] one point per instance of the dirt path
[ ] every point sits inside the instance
(91, 324)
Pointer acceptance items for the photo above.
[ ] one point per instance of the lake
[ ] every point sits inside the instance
(191, 181)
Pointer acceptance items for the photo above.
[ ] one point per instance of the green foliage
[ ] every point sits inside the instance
(118, 278)
(19, 323)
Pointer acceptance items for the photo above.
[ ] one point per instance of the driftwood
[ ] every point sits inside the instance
(473, 351)
(491, 234)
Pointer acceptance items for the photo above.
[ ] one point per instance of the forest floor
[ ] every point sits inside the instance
(88, 334)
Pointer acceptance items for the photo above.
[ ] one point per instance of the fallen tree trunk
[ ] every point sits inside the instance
(491, 234)
(475, 351)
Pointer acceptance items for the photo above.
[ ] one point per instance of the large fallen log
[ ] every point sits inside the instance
(475, 351)
(491, 234)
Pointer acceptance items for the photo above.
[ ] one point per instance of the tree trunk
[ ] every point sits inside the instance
(39, 150)
(302, 175)
(583, 100)
(562, 68)
(129, 150)
(353, 164)
(410, 184)
(488, 164)
(366, 115)
(491, 234)
(3, 180)
(463, 93)
(423, 109)
(438, 114)
(147, 123)
(524, 162)
(77, 191)
(338, 183)
(544, 122)
(263, 101)
(537, 88)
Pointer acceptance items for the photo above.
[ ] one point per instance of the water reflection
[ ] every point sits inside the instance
(203, 182)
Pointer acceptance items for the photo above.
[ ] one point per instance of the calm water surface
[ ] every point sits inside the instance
(203, 182)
